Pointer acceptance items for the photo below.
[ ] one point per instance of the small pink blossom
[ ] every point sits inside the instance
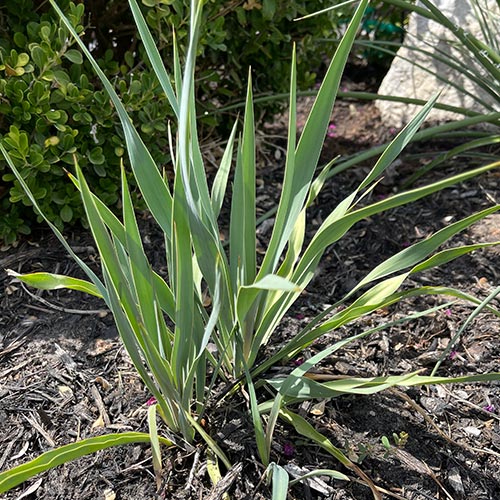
(453, 354)
(490, 408)
(331, 130)
(151, 401)
(288, 450)
(447, 312)
(392, 131)
(298, 361)
(300, 316)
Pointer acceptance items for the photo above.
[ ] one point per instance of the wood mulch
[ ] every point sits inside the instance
(64, 374)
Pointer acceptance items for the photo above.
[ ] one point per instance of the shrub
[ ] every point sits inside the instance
(53, 108)
(237, 35)
(54, 111)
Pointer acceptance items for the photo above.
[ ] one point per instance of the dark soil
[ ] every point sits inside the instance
(64, 374)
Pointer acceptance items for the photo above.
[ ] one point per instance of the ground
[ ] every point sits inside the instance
(64, 374)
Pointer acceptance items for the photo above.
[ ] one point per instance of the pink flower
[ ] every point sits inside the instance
(331, 130)
(151, 401)
(300, 316)
(447, 312)
(453, 354)
(490, 408)
(288, 450)
(298, 361)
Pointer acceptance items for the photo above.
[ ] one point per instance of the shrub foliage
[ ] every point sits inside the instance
(52, 109)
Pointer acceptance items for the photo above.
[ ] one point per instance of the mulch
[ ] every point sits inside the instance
(64, 374)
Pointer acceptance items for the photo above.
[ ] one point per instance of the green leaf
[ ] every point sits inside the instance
(303, 427)
(302, 161)
(306, 388)
(288, 203)
(242, 224)
(154, 56)
(162, 291)
(56, 231)
(220, 181)
(96, 156)
(260, 438)
(248, 294)
(280, 482)
(149, 179)
(312, 331)
(182, 279)
(50, 459)
(66, 213)
(414, 254)
(210, 442)
(268, 9)
(322, 472)
(74, 56)
(20, 39)
(140, 270)
(450, 254)
(121, 300)
(47, 281)
(23, 59)
(155, 444)
(476, 143)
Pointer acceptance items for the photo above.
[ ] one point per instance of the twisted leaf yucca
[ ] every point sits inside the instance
(247, 301)
(477, 62)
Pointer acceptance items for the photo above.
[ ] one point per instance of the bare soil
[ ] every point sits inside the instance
(64, 374)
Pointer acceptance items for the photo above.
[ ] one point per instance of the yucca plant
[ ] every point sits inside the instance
(476, 61)
(164, 321)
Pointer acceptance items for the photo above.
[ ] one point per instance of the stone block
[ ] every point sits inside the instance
(420, 68)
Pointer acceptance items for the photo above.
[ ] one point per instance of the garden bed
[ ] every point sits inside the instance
(64, 374)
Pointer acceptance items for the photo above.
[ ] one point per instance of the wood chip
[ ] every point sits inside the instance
(6, 453)
(318, 408)
(455, 481)
(109, 494)
(104, 383)
(31, 489)
(225, 483)
(103, 415)
(22, 451)
(66, 359)
(314, 482)
(40, 431)
(473, 431)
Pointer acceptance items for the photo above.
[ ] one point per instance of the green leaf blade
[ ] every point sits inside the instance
(50, 459)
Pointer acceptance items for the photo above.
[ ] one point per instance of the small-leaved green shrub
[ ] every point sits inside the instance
(52, 110)
(163, 321)
(237, 35)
